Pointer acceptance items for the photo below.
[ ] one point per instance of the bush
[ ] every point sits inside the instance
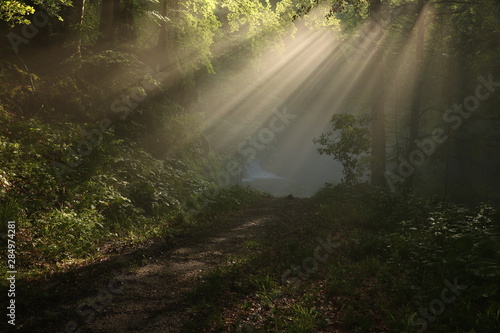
(424, 241)
(64, 233)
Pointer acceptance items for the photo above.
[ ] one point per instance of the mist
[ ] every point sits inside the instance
(318, 72)
(249, 165)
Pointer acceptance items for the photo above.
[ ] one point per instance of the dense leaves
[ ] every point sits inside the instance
(19, 12)
(421, 242)
(348, 142)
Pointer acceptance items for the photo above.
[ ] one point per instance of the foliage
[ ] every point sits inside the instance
(348, 142)
(198, 26)
(264, 23)
(62, 233)
(116, 189)
(421, 242)
(152, 173)
(15, 12)
(18, 12)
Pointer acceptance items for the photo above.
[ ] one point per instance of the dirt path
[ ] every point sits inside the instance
(153, 303)
(151, 299)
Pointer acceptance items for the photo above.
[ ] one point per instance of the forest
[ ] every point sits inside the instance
(250, 165)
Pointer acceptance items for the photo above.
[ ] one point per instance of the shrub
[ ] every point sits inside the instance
(65, 233)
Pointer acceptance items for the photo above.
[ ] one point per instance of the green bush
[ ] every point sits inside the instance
(423, 241)
(65, 233)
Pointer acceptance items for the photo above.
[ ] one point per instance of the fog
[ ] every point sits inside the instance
(273, 110)
(265, 112)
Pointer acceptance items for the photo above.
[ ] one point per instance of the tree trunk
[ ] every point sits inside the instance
(377, 104)
(106, 27)
(69, 31)
(116, 20)
(80, 28)
(126, 28)
(417, 93)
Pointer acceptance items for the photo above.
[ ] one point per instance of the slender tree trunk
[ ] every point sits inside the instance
(126, 22)
(116, 20)
(80, 28)
(417, 93)
(377, 104)
(106, 24)
(446, 70)
(69, 29)
(129, 29)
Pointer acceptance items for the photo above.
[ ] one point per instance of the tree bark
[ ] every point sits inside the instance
(116, 20)
(106, 24)
(126, 28)
(69, 30)
(417, 93)
(80, 28)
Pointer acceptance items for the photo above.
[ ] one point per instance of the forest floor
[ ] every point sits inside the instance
(148, 289)
(340, 262)
(213, 280)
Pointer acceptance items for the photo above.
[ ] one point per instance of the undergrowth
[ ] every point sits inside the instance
(399, 264)
(118, 192)
(429, 265)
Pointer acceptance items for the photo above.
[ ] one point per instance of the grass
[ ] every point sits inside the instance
(125, 255)
(389, 264)
(391, 259)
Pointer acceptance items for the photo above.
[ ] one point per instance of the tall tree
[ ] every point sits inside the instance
(106, 26)
(126, 31)
(81, 7)
(417, 93)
